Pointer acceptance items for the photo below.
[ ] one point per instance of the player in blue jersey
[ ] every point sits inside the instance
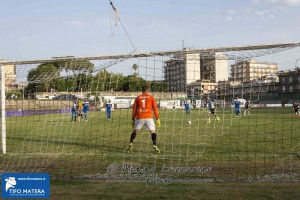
(85, 106)
(211, 109)
(73, 111)
(108, 110)
(237, 105)
(187, 108)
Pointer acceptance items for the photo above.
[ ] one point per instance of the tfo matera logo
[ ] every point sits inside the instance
(25, 185)
(10, 183)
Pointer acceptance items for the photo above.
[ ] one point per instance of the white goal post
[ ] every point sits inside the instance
(3, 120)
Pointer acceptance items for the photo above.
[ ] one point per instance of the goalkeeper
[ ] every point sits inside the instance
(142, 115)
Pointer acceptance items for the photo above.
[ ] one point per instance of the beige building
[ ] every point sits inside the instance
(202, 88)
(249, 70)
(214, 67)
(179, 72)
(290, 82)
(10, 75)
(269, 78)
(225, 87)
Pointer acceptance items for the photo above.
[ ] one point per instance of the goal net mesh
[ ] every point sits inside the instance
(260, 146)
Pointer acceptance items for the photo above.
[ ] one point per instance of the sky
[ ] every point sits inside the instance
(41, 29)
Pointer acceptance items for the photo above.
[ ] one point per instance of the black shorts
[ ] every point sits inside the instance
(247, 107)
(212, 111)
(296, 110)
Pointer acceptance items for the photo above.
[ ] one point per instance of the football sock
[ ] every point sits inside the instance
(132, 137)
(153, 135)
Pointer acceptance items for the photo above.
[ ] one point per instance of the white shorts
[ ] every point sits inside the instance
(149, 123)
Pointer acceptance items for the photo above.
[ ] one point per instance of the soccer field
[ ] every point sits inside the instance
(262, 146)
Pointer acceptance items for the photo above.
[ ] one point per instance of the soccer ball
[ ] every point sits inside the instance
(189, 122)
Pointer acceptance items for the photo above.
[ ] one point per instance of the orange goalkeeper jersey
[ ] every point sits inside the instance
(143, 106)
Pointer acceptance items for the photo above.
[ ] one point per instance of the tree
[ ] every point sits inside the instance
(82, 82)
(135, 67)
(59, 85)
(74, 65)
(100, 80)
(70, 83)
(132, 83)
(14, 94)
(159, 86)
(41, 77)
(118, 81)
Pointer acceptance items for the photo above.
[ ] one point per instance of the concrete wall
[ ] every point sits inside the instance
(158, 95)
(37, 104)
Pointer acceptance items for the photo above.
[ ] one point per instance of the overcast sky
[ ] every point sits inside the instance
(34, 29)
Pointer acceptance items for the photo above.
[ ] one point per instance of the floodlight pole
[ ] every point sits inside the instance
(3, 117)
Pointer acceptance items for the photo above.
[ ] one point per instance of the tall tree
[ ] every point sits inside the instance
(159, 86)
(41, 77)
(135, 67)
(133, 83)
(59, 85)
(74, 65)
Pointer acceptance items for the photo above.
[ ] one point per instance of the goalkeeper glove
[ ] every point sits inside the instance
(158, 122)
(132, 123)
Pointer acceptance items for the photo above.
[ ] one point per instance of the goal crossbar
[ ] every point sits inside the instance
(159, 53)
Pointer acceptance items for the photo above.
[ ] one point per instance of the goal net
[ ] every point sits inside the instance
(47, 130)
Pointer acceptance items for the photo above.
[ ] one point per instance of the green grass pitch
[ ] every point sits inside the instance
(264, 145)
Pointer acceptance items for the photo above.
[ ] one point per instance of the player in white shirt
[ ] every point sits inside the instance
(211, 110)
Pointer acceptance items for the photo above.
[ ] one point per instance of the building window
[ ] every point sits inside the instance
(290, 79)
(283, 80)
(291, 88)
(283, 88)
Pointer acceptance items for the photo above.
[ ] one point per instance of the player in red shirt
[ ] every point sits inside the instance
(142, 109)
